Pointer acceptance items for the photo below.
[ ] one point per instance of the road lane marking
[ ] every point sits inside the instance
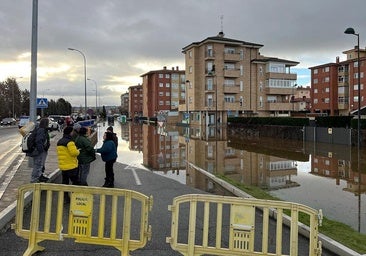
(133, 169)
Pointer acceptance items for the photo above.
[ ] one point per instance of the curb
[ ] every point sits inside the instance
(8, 214)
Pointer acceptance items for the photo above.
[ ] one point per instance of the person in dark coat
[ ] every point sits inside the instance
(39, 154)
(108, 153)
(115, 138)
(86, 156)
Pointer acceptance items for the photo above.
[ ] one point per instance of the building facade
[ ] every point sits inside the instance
(161, 89)
(125, 104)
(228, 77)
(135, 101)
(334, 86)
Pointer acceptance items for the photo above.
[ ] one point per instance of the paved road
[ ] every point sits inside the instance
(161, 188)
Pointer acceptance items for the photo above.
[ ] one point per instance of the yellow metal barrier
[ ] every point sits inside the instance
(221, 225)
(53, 219)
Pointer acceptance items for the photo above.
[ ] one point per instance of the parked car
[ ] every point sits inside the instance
(52, 125)
(23, 121)
(8, 121)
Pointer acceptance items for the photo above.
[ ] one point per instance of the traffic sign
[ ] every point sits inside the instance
(42, 103)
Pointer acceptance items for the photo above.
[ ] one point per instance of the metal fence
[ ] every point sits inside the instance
(222, 225)
(121, 216)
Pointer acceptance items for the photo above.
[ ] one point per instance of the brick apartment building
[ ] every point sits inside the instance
(161, 92)
(135, 101)
(125, 103)
(229, 77)
(334, 86)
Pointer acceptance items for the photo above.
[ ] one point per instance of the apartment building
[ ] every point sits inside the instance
(135, 101)
(229, 77)
(161, 89)
(334, 86)
(125, 103)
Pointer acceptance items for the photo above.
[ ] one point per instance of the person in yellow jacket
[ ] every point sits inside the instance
(67, 154)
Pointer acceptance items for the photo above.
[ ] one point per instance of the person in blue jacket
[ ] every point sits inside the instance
(108, 152)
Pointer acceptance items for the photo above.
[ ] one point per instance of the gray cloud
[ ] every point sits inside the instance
(124, 39)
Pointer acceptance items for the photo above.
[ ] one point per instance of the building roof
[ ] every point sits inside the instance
(221, 39)
(164, 71)
(273, 59)
(362, 111)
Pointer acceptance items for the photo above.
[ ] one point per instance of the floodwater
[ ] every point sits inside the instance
(321, 176)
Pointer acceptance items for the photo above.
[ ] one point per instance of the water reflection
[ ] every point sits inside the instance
(320, 176)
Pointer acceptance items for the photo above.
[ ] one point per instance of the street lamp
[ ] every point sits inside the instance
(96, 94)
(72, 49)
(351, 31)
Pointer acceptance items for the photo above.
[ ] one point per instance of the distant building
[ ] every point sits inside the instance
(135, 101)
(229, 77)
(161, 92)
(334, 86)
(301, 100)
(125, 103)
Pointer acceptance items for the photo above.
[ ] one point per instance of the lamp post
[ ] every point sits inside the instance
(351, 31)
(96, 94)
(72, 49)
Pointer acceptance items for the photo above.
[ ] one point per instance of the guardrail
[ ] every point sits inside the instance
(55, 219)
(221, 225)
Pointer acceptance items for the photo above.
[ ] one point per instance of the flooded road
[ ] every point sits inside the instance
(321, 176)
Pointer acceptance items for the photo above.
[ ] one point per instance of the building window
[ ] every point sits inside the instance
(326, 80)
(355, 64)
(315, 101)
(229, 98)
(161, 76)
(327, 89)
(167, 103)
(229, 50)
(241, 54)
(161, 85)
(326, 69)
(315, 90)
(355, 87)
(167, 75)
(209, 51)
(161, 103)
(260, 101)
(315, 81)
(167, 94)
(355, 98)
(241, 70)
(161, 94)
(190, 69)
(190, 54)
(315, 71)
(326, 100)
(167, 85)
(241, 86)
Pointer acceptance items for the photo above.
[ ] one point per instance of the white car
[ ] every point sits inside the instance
(52, 125)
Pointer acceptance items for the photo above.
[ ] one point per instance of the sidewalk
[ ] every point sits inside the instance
(22, 176)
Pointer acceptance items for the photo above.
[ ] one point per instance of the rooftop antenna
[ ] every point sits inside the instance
(221, 34)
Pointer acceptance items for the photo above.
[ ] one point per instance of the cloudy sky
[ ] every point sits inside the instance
(124, 39)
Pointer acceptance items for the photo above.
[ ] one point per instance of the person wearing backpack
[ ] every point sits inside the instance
(86, 156)
(39, 154)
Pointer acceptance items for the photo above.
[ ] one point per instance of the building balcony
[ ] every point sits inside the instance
(231, 105)
(231, 88)
(278, 106)
(232, 57)
(343, 106)
(210, 88)
(285, 76)
(209, 55)
(231, 72)
(280, 91)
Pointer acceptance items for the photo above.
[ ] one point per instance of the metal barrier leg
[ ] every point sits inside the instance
(33, 241)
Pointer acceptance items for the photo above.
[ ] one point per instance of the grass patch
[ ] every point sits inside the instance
(338, 231)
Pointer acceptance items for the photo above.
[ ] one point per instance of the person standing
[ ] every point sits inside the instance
(108, 153)
(67, 154)
(86, 156)
(39, 154)
(115, 138)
